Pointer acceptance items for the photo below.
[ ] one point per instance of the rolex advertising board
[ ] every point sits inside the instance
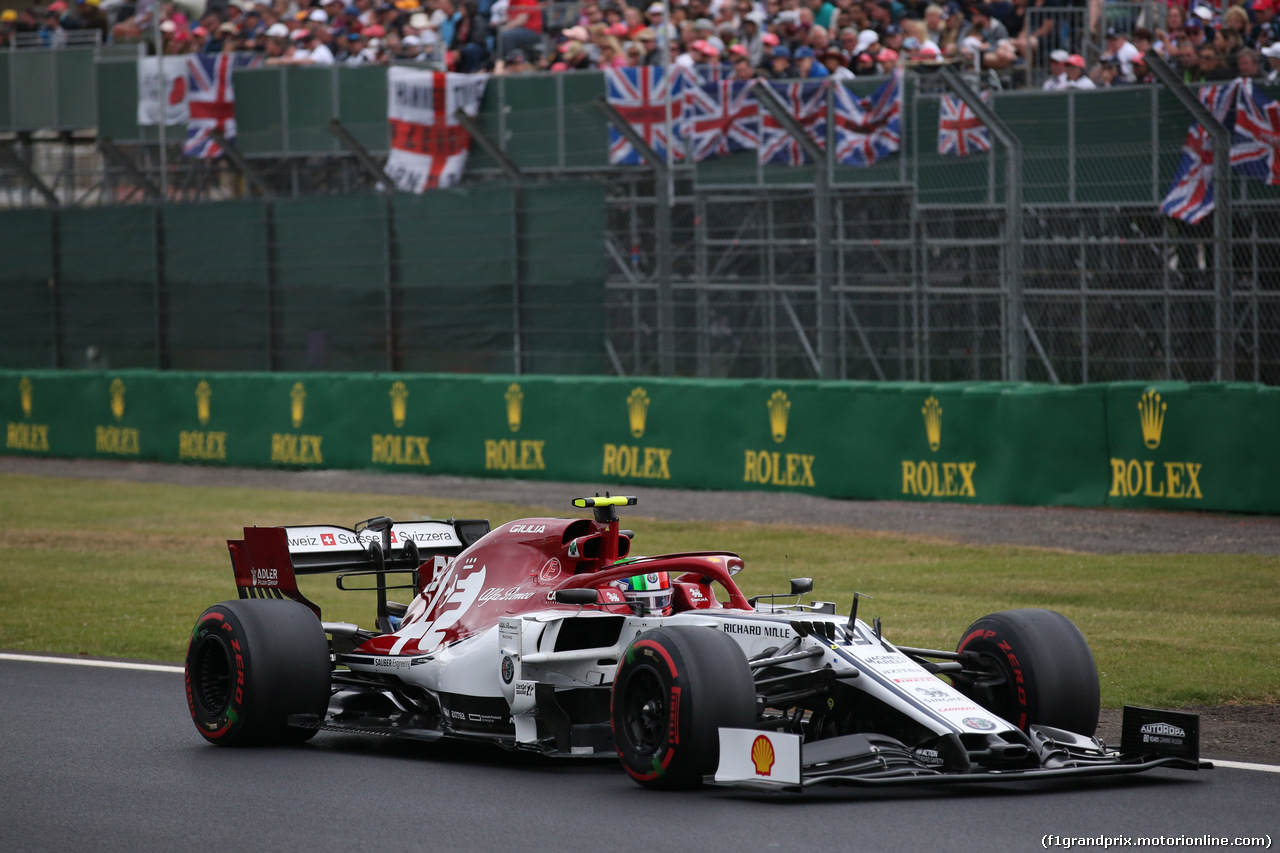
(909, 441)
(782, 429)
(212, 418)
(1160, 445)
(1047, 443)
(1175, 445)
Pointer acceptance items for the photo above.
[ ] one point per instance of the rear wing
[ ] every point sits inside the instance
(268, 560)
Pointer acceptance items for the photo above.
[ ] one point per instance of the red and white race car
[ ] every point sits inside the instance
(545, 635)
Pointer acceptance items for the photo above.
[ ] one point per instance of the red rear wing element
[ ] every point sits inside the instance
(263, 566)
(268, 560)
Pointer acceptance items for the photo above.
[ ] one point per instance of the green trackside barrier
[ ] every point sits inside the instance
(1163, 445)
(1175, 445)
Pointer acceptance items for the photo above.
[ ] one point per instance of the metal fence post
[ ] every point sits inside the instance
(1013, 315)
(662, 193)
(823, 262)
(702, 308)
(1224, 302)
(160, 295)
(391, 284)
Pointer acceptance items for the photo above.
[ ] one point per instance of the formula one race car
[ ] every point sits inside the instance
(545, 635)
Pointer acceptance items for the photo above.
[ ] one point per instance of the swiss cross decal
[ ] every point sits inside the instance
(327, 540)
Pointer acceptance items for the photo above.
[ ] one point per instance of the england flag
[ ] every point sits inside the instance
(429, 146)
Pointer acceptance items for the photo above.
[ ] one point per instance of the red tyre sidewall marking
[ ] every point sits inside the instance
(672, 733)
(237, 695)
(1012, 658)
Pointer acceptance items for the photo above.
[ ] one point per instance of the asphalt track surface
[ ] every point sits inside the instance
(108, 760)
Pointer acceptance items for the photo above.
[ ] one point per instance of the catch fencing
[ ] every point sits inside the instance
(1045, 259)
(1061, 270)
(479, 280)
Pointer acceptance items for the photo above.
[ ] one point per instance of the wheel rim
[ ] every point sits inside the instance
(999, 699)
(211, 676)
(644, 715)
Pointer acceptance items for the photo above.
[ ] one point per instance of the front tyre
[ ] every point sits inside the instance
(250, 665)
(1043, 670)
(675, 688)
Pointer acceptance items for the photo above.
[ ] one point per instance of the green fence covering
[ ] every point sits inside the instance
(108, 285)
(27, 322)
(486, 279)
(216, 276)
(458, 254)
(1164, 445)
(561, 295)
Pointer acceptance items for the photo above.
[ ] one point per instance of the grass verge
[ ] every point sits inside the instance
(123, 569)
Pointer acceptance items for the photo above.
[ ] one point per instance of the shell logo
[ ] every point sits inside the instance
(762, 755)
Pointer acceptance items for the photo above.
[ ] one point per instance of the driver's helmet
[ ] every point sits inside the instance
(653, 591)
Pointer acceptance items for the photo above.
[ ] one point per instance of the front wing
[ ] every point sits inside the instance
(769, 761)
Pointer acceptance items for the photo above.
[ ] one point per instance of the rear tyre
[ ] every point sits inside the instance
(1047, 672)
(676, 687)
(250, 665)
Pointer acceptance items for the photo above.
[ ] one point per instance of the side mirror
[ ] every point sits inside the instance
(578, 596)
(799, 586)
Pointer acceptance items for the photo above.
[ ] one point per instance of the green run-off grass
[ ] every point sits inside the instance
(123, 569)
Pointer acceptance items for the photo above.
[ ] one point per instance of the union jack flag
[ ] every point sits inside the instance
(807, 103)
(211, 98)
(868, 129)
(1255, 148)
(641, 96)
(721, 118)
(1190, 198)
(960, 132)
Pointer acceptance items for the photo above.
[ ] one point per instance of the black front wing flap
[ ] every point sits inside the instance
(1151, 740)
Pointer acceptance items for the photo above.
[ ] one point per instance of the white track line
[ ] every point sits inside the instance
(156, 667)
(1245, 765)
(103, 664)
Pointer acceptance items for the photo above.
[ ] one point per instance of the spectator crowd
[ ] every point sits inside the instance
(773, 38)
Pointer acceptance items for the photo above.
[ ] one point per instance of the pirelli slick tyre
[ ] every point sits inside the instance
(675, 688)
(1044, 671)
(250, 665)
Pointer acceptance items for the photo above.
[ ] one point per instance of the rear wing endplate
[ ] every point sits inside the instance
(268, 560)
